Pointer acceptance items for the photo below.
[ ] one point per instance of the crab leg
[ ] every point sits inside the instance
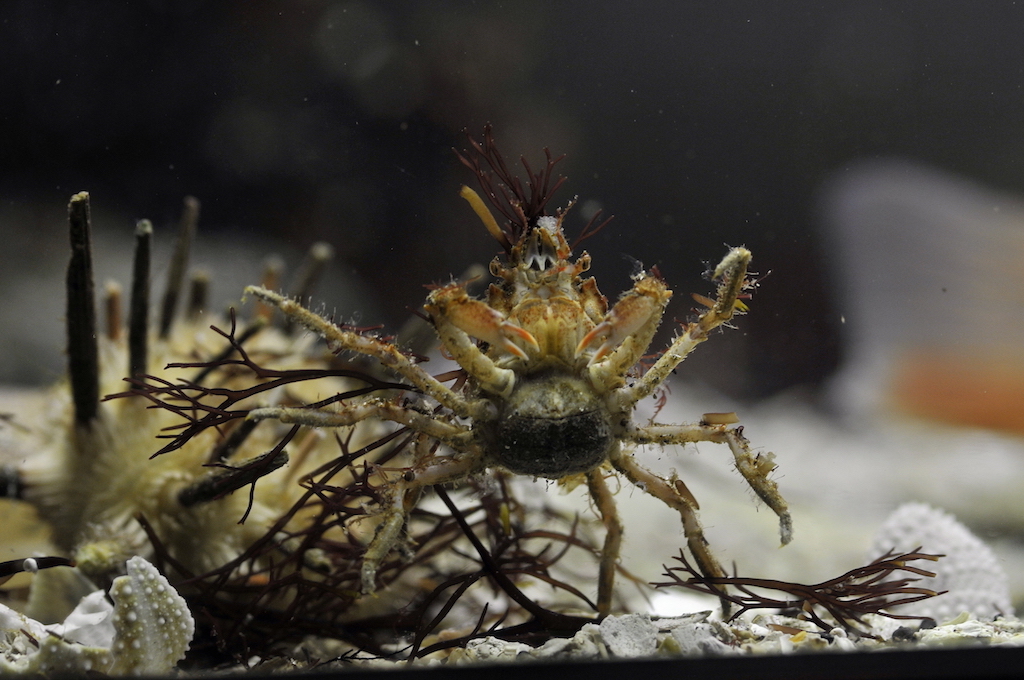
(602, 496)
(732, 273)
(351, 414)
(403, 495)
(677, 497)
(386, 353)
(755, 468)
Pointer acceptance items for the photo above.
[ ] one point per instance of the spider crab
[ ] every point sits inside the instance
(549, 391)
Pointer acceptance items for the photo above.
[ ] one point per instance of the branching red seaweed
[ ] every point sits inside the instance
(303, 576)
(190, 399)
(520, 205)
(847, 598)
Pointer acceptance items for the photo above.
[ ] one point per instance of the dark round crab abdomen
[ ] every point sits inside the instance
(552, 425)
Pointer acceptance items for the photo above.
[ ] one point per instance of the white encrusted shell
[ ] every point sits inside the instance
(970, 570)
(146, 631)
(153, 625)
(27, 647)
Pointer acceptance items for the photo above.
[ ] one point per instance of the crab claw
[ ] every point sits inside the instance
(602, 332)
(634, 311)
(506, 330)
(479, 320)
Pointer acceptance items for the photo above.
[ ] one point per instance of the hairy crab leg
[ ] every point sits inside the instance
(732, 273)
(386, 353)
(755, 468)
(403, 495)
(353, 413)
(678, 498)
(605, 504)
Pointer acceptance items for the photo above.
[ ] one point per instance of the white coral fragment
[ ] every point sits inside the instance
(153, 624)
(970, 570)
(146, 631)
(78, 645)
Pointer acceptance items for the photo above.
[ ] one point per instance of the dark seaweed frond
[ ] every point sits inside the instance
(203, 406)
(303, 576)
(847, 598)
(520, 205)
(505, 562)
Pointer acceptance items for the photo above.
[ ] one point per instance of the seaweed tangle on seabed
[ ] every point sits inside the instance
(846, 599)
(302, 578)
(262, 527)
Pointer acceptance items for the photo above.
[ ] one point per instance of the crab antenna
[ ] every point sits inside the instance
(485, 215)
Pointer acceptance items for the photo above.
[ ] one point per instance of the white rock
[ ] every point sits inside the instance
(630, 636)
(698, 639)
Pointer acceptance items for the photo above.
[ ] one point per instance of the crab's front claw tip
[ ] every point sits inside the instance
(637, 310)
(601, 332)
(508, 330)
(480, 321)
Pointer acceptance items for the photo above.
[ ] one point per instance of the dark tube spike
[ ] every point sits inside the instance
(179, 263)
(83, 353)
(138, 314)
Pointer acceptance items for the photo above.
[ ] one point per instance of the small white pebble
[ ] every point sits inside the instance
(759, 630)
(785, 644)
(844, 644)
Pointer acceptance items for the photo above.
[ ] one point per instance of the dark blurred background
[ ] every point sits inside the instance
(697, 124)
